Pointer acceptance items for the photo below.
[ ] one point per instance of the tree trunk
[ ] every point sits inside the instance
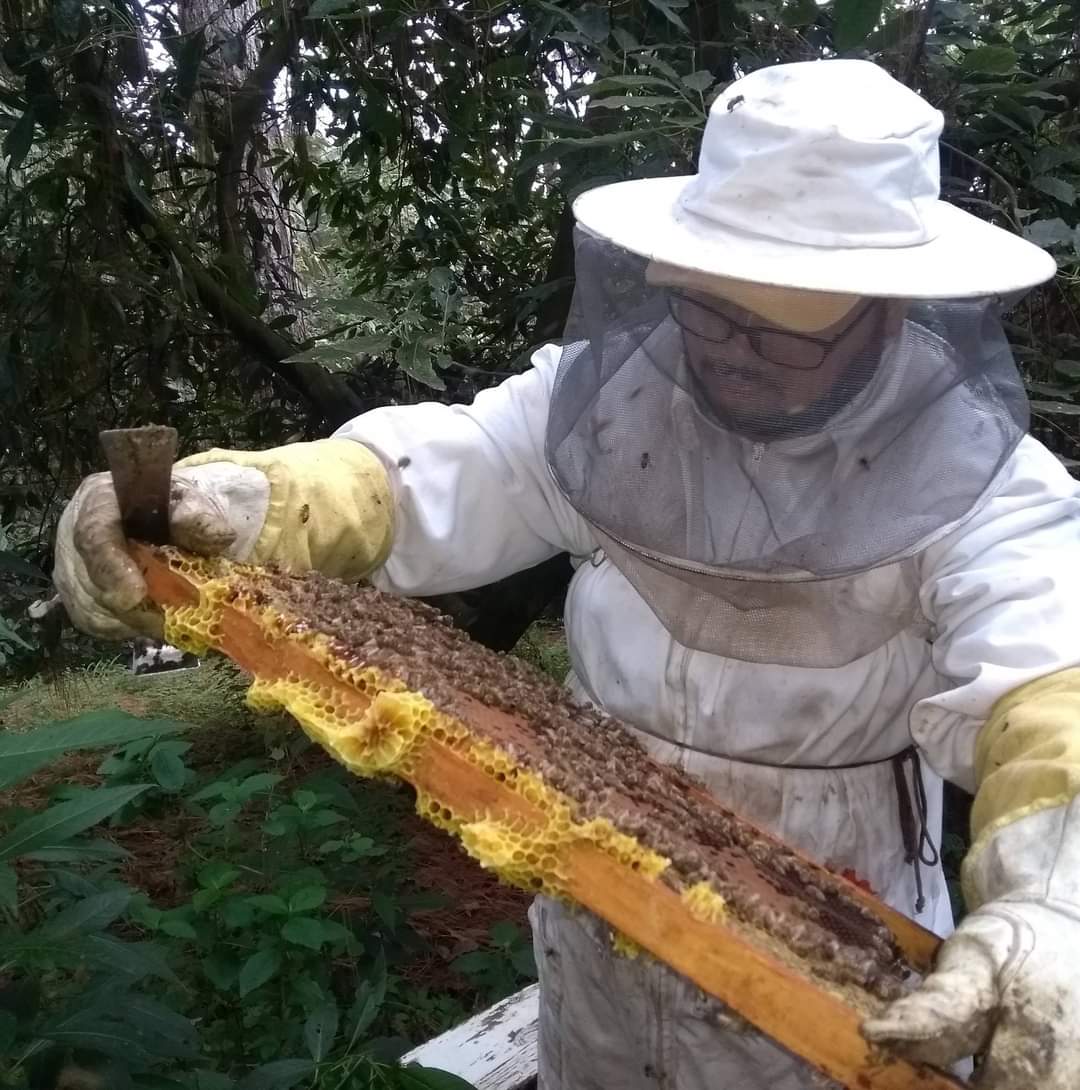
(254, 226)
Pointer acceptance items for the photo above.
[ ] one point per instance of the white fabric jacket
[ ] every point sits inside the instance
(475, 501)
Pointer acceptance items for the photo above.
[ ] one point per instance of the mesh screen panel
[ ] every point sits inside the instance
(770, 512)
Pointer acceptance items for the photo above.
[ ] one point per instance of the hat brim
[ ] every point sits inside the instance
(967, 258)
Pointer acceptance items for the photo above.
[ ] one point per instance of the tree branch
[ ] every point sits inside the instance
(914, 57)
(327, 394)
(247, 105)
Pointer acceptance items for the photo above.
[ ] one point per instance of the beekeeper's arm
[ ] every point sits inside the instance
(1003, 593)
(436, 497)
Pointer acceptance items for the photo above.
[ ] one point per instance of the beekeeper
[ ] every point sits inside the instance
(785, 445)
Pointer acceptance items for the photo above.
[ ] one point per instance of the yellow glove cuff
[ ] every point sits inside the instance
(331, 507)
(1027, 755)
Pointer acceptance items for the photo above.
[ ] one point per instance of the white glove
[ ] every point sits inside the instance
(1007, 983)
(216, 508)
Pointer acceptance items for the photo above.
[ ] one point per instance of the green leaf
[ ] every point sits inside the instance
(95, 1031)
(605, 139)
(178, 928)
(169, 770)
(415, 360)
(625, 39)
(133, 959)
(218, 875)
(323, 9)
(257, 970)
(223, 812)
(616, 102)
(701, 80)
(305, 800)
(414, 1077)
(592, 21)
(618, 83)
(320, 1030)
(371, 344)
(360, 307)
(15, 565)
(80, 851)
(1057, 188)
(255, 785)
(367, 1003)
(221, 971)
(278, 1075)
(667, 8)
(327, 355)
(524, 961)
(66, 819)
(22, 754)
(9, 889)
(237, 913)
(90, 914)
(505, 933)
(211, 791)
(306, 898)
(441, 279)
(19, 140)
(336, 932)
(170, 1033)
(853, 20)
(1068, 368)
(1050, 158)
(992, 59)
(1048, 232)
(8, 633)
(303, 931)
(475, 961)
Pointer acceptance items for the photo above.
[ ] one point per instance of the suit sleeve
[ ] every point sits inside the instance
(1002, 593)
(473, 498)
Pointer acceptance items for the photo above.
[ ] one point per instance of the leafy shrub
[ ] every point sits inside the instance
(277, 965)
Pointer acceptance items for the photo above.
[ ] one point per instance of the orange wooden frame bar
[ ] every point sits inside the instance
(800, 1013)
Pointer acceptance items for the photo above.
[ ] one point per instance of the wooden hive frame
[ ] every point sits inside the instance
(480, 770)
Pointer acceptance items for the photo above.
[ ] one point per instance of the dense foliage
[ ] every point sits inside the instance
(189, 184)
(213, 905)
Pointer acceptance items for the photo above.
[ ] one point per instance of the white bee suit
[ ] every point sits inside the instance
(475, 501)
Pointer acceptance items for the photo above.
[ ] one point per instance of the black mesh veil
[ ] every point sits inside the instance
(757, 509)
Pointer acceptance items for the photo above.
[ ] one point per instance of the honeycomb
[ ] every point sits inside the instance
(623, 946)
(704, 903)
(382, 680)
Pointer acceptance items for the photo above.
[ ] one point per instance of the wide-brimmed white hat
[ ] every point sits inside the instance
(821, 175)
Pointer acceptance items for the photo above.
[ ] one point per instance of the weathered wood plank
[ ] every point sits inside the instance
(494, 1050)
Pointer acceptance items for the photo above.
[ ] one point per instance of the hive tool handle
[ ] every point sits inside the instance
(141, 460)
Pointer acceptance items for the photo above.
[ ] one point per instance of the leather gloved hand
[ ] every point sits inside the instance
(1007, 984)
(323, 506)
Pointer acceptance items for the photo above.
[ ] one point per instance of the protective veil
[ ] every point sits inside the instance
(756, 520)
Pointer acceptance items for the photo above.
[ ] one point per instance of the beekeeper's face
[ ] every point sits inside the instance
(749, 366)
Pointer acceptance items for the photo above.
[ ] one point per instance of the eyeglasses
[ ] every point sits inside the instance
(782, 347)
